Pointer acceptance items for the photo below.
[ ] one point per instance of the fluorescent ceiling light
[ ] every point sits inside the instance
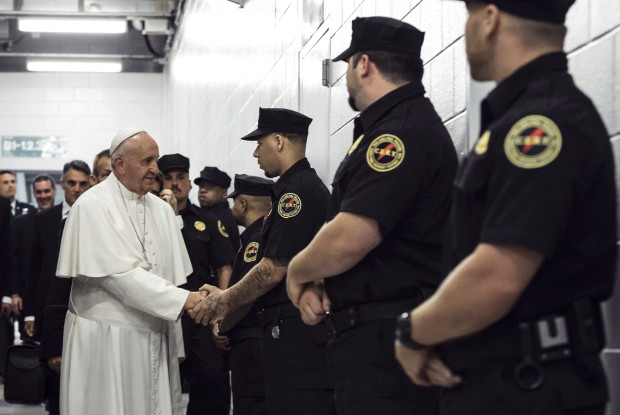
(73, 66)
(73, 25)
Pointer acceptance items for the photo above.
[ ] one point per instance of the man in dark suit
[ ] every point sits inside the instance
(47, 230)
(8, 188)
(5, 226)
(44, 189)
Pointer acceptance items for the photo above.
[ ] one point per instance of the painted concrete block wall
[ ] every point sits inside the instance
(87, 109)
(229, 61)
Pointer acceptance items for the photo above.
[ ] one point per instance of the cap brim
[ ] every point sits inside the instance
(344, 56)
(232, 194)
(170, 168)
(256, 134)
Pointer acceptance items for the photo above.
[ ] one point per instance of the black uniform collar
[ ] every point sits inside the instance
(507, 91)
(255, 226)
(378, 108)
(279, 186)
(190, 208)
(218, 206)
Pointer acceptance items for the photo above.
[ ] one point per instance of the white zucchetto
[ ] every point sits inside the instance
(123, 135)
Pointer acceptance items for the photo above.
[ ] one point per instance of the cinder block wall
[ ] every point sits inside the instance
(87, 109)
(228, 61)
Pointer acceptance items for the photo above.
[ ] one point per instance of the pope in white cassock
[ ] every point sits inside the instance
(124, 249)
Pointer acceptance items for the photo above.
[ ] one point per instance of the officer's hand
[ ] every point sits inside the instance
(17, 305)
(313, 303)
(29, 328)
(193, 299)
(212, 308)
(54, 363)
(424, 368)
(293, 288)
(221, 341)
(168, 197)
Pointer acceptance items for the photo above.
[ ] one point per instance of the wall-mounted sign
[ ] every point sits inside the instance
(31, 146)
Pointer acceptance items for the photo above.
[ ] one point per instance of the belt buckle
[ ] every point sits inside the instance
(330, 325)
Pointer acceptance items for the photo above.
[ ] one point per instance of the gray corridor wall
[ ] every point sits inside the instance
(227, 61)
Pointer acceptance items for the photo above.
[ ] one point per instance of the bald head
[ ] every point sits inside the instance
(134, 162)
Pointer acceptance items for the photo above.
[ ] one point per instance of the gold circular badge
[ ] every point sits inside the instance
(385, 153)
(533, 142)
(483, 143)
(222, 229)
(200, 225)
(289, 205)
(251, 252)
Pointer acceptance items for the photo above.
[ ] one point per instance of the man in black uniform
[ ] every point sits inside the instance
(205, 367)
(382, 248)
(212, 188)
(296, 376)
(252, 202)
(516, 326)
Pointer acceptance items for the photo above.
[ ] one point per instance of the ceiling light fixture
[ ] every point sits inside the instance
(73, 66)
(72, 25)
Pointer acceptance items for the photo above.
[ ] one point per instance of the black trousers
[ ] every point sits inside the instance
(297, 380)
(369, 380)
(246, 372)
(53, 390)
(491, 389)
(206, 370)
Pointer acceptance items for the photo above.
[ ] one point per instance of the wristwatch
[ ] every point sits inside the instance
(403, 332)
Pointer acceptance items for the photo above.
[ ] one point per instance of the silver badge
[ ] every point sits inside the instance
(275, 332)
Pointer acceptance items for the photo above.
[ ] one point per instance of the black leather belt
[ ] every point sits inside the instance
(245, 333)
(276, 313)
(339, 321)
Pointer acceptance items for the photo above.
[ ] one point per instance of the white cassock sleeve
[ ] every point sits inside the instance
(146, 292)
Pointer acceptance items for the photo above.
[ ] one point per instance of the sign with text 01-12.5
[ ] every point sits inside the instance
(32, 146)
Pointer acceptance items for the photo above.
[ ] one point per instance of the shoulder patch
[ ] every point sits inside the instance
(483, 143)
(222, 229)
(534, 141)
(251, 252)
(200, 225)
(385, 153)
(289, 205)
(355, 144)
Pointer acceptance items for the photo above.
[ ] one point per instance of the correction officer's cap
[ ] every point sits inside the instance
(383, 34)
(279, 120)
(251, 185)
(214, 176)
(548, 11)
(171, 162)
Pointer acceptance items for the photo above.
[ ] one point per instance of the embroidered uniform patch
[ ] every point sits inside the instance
(200, 225)
(222, 229)
(483, 143)
(385, 153)
(251, 252)
(533, 142)
(289, 205)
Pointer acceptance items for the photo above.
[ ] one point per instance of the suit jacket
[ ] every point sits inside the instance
(22, 208)
(21, 245)
(5, 232)
(43, 261)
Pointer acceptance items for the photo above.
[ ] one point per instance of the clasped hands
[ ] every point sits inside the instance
(207, 305)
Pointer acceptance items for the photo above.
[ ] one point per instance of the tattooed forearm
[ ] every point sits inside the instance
(257, 282)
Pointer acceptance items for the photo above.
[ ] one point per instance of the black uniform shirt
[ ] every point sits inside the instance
(224, 214)
(541, 176)
(300, 202)
(249, 255)
(399, 172)
(207, 244)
